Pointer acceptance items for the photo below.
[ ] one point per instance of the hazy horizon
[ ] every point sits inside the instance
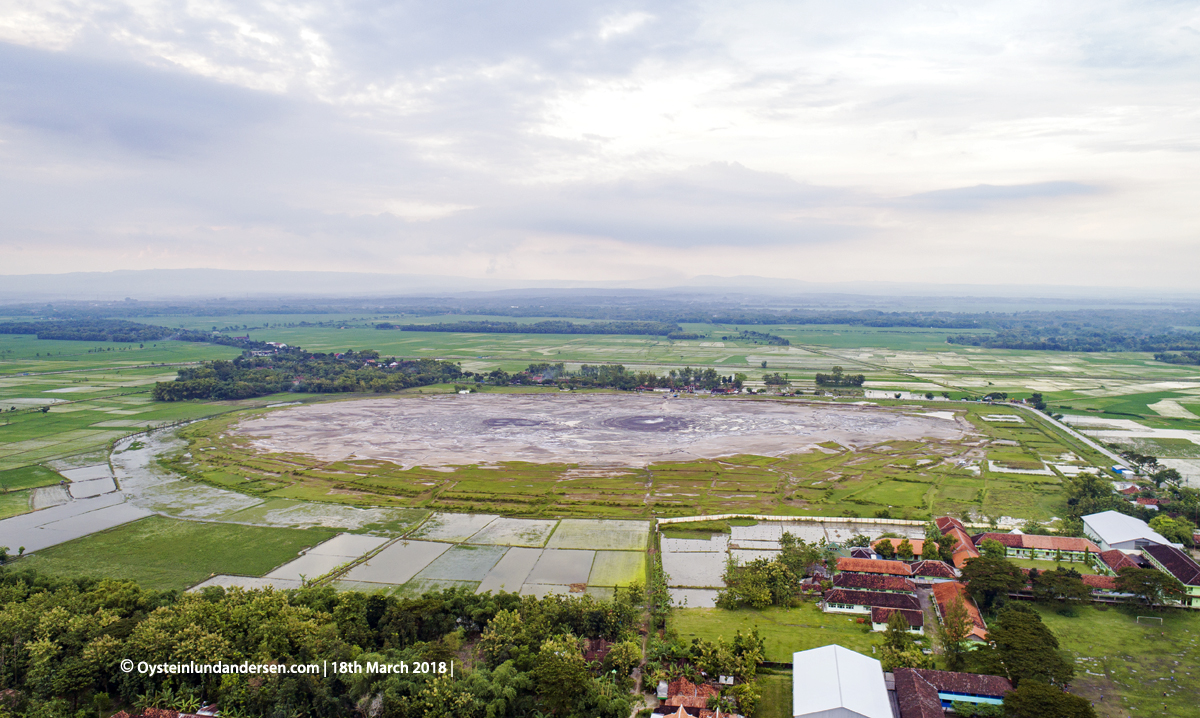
(963, 144)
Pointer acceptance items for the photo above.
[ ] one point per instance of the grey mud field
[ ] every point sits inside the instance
(595, 430)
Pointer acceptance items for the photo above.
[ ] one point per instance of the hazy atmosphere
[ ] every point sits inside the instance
(955, 143)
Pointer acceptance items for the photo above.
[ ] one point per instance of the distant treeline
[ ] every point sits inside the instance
(1081, 339)
(120, 330)
(609, 376)
(547, 327)
(1192, 358)
(299, 371)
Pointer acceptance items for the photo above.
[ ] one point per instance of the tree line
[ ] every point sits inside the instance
(839, 378)
(608, 376)
(299, 371)
(671, 330)
(1189, 358)
(62, 641)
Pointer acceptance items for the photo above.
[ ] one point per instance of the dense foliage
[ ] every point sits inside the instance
(839, 378)
(609, 376)
(775, 582)
(1066, 338)
(63, 642)
(1191, 358)
(548, 327)
(299, 371)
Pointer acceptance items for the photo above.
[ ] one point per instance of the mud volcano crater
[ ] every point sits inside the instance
(502, 422)
(648, 423)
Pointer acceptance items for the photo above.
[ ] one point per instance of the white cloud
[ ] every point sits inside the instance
(1050, 143)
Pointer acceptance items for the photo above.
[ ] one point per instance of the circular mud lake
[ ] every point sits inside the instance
(590, 430)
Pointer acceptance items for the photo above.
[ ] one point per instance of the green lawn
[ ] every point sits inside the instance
(785, 630)
(163, 553)
(28, 477)
(1144, 669)
(1079, 566)
(776, 701)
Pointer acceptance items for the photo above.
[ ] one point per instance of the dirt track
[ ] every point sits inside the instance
(593, 430)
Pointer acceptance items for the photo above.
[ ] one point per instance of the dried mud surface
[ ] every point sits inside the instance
(592, 430)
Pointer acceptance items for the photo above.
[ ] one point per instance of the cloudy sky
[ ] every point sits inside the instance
(975, 142)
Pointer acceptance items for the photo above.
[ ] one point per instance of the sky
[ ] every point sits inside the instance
(964, 143)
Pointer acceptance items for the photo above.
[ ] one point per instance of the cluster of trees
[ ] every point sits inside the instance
(548, 327)
(839, 378)
(609, 376)
(759, 338)
(63, 642)
(299, 371)
(1080, 339)
(1191, 358)
(740, 657)
(774, 582)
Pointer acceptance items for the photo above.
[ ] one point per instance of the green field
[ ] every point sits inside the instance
(1078, 566)
(1144, 669)
(785, 630)
(776, 701)
(165, 554)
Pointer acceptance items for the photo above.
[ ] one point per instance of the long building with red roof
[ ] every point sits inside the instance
(943, 597)
(870, 565)
(1048, 548)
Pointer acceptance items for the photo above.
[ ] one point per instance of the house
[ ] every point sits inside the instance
(931, 571)
(1112, 561)
(689, 700)
(1151, 504)
(840, 600)
(1130, 491)
(1113, 529)
(1046, 548)
(835, 682)
(867, 565)
(924, 693)
(874, 582)
(917, 545)
(964, 547)
(862, 552)
(944, 595)
(1175, 562)
(880, 616)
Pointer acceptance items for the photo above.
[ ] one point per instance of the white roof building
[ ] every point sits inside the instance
(1113, 529)
(835, 682)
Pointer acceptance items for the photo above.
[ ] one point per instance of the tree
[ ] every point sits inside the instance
(1060, 584)
(991, 580)
(857, 540)
(1178, 529)
(1150, 586)
(1170, 476)
(991, 548)
(1040, 700)
(559, 672)
(953, 632)
(1022, 648)
(909, 657)
(896, 634)
(885, 549)
(905, 550)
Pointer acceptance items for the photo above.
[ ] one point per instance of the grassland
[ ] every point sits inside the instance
(784, 630)
(1139, 669)
(166, 554)
(776, 700)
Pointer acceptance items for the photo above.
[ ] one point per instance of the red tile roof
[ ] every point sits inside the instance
(873, 598)
(867, 565)
(1103, 583)
(1043, 543)
(975, 684)
(1176, 562)
(916, 619)
(682, 692)
(873, 582)
(1117, 560)
(964, 547)
(944, 594)
(933, 569)
(1152, 502)
(916, 696)
(945, 523)
(1131, 490)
